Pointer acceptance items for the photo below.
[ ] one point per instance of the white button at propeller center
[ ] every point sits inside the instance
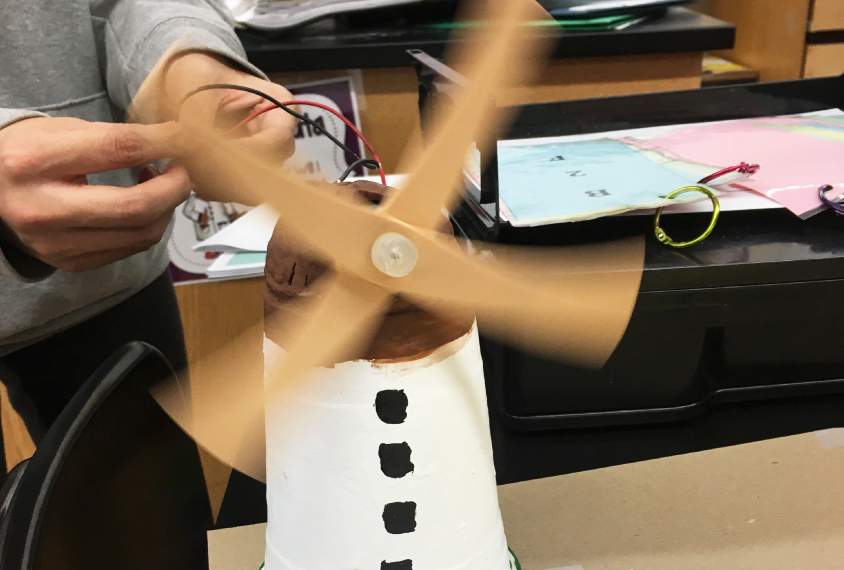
(394, 255)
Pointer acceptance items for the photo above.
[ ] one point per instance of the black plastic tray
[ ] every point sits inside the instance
(734, 340)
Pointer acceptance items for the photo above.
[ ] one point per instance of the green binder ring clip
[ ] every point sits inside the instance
(716, 210)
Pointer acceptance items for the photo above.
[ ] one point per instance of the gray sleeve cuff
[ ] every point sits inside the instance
(9, 116)
(20, 267)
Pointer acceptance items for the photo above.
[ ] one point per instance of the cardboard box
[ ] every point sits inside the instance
(771, 505)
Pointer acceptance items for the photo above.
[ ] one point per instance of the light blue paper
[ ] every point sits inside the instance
(247, 258)
(579, 180)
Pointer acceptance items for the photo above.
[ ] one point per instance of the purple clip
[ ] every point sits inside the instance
(839, 209)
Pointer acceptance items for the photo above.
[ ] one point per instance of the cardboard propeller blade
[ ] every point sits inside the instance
(330, 227)
(231, 410)
(503, 53)
(341, 324)
(580, 323)
(569, 304)
(230, 423)
(226, 169)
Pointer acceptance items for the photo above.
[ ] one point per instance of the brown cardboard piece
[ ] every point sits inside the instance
(239, 548)
(770, 505)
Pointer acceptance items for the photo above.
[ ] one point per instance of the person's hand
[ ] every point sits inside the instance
(162, 98)
(269, 134)
(49, 211)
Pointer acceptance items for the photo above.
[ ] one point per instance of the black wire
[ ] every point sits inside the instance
(367, 162)
(281, 106)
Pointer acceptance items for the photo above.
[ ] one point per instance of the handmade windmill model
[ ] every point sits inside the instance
(379, 458)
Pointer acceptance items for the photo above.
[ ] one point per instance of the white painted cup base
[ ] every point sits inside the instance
(385, 466)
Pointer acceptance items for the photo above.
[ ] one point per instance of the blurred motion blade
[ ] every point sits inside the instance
(227, 418)
(341, 323)
(571, 304)
(502, 53)
(229, 421)
(330, 226)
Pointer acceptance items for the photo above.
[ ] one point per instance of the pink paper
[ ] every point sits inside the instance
(797, 155)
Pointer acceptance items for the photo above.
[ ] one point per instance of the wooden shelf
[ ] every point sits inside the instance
(827, 15)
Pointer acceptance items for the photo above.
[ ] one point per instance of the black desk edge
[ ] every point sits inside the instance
(679, 30)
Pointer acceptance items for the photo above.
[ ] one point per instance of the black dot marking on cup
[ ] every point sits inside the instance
(400, 518)
(401, 565)
(395, 459)
(391, 406)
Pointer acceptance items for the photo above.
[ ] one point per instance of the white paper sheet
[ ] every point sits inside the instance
(251, 232)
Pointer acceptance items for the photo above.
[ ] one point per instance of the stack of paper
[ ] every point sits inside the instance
(581, 177)
(242, 264)
(242, 245)
(274, 15)
(581, 180)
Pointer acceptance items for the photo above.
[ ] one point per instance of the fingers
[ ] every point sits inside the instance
(78, 227)
(71, 242)
(77, 250)
(110, 207)
(275, 146)
(72, 150)
(236, 101)
(147, 172)
(269, 134)
(81, 249)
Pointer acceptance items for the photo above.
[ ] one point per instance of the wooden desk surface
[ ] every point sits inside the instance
(770, 505)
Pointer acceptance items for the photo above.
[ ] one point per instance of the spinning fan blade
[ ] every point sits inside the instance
(230, 425)
(339, 326)
(578, 319)
(231, 411)
(224, 169)
(573, 304)
(503, 53)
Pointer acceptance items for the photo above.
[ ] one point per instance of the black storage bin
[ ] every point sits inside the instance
(734, 340)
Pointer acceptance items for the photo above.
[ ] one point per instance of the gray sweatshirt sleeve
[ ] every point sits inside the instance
(9, 116)
(132, 35)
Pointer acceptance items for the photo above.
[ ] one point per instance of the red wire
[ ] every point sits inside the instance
(259, 111)
(744, 168)
(349, 124)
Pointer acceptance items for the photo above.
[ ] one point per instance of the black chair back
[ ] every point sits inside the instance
(115, 483)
